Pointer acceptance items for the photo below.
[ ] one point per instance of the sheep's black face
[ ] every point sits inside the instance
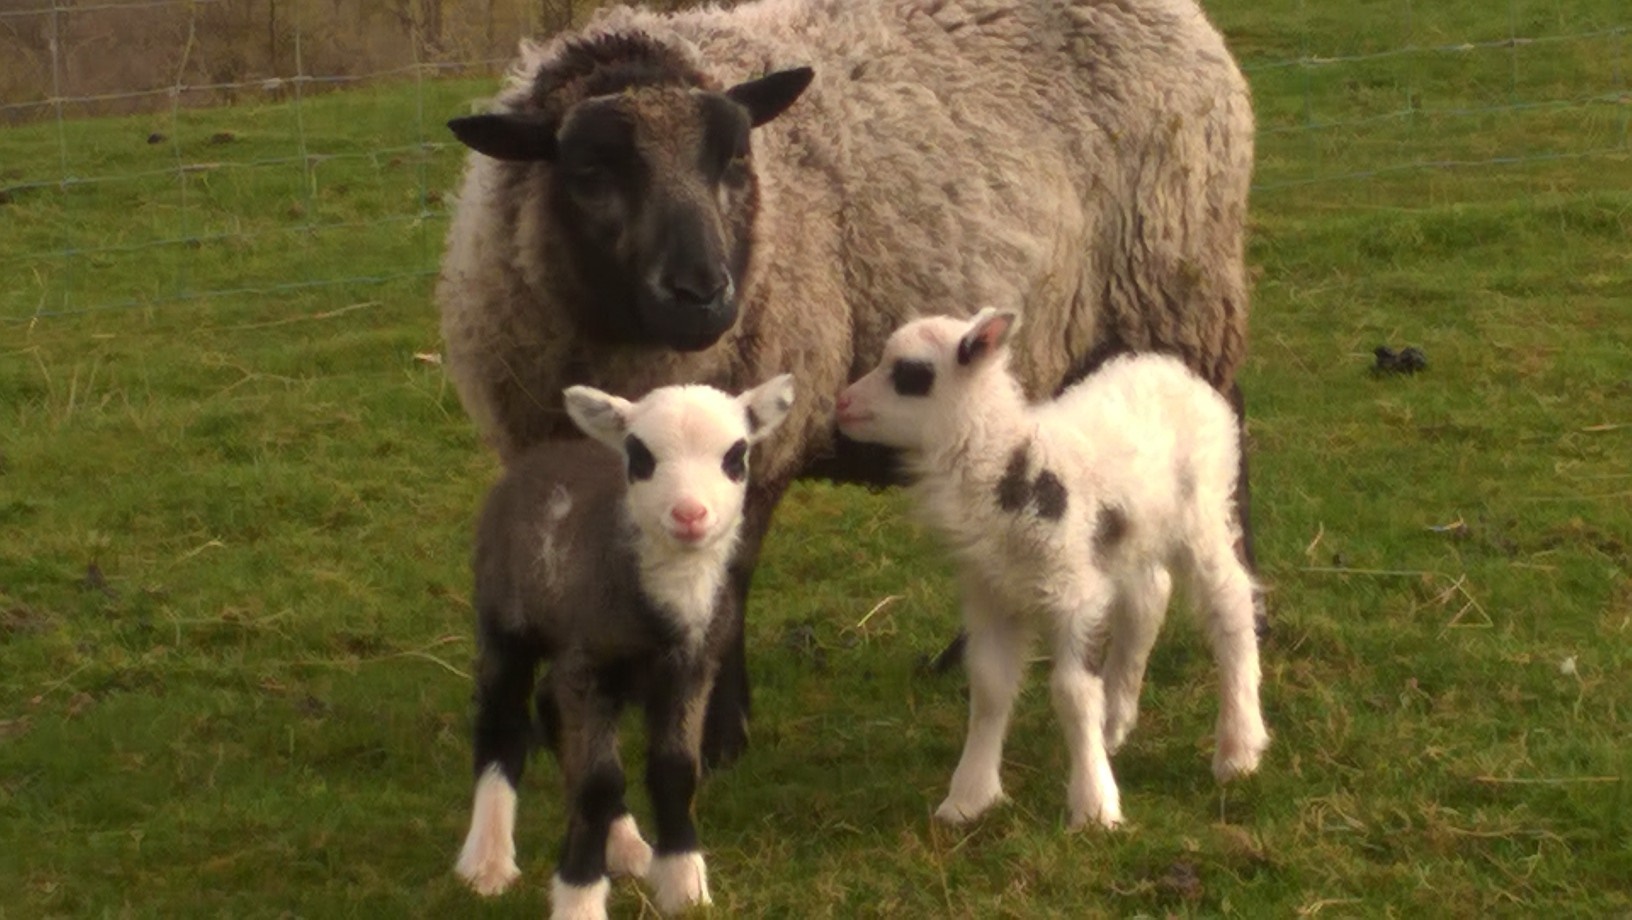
(653, 197)
(654, 194)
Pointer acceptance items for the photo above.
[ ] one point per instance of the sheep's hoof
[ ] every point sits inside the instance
(1118, 726)
(725, 736)
(626, 853)
(678, 882)
(1108, 816)
(488, 874)
(958, 810)
(579, 902)
(1238, 754)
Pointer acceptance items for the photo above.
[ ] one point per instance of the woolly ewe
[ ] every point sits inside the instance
(718, 195)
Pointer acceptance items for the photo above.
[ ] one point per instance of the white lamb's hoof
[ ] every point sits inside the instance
(678, 882)
(578, 902)
(626, 853)
(1239, 752)
(1105, 814)
(487, 862)
(965, 805)
(1118, 726)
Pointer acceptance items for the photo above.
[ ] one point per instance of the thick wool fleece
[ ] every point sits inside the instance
(1085, 162)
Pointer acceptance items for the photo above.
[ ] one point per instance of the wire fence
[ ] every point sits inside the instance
(155, 151)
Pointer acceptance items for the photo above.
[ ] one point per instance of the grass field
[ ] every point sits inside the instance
(234, 632)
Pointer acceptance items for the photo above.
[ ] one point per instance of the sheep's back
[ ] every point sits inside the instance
(551, 554)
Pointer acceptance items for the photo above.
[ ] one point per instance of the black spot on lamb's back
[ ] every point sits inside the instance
(1050, 495)
(1014, 490)
(1017, 491)
(1110, 529)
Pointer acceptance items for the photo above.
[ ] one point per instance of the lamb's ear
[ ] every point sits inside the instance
(770, 95)
(988, 332)
(767, 405)
(602, 416)
(508, 135)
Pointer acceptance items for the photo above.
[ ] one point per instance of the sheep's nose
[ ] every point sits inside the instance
(701, 288)
(688, 511)
(843, 403)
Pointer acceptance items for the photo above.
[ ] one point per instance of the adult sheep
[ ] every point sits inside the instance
(1083, 162)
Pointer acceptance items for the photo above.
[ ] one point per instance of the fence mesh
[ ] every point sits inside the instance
(158, 151)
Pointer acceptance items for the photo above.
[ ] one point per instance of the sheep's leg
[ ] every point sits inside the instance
(994, 655)
(1243, 512)
(594, 781)
(725, 730)
(675, 711)
(1081, 636)
(1136, 619)
(1224, 590)
(627, 853)
(487, 861)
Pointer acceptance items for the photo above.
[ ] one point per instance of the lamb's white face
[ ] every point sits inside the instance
(926, 366)
(685, 451)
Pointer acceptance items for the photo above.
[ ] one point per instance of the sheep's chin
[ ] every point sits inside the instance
(680, 542)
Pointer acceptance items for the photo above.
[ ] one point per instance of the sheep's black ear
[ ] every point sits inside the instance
(507, 136)
(770, 95)
(988, 332)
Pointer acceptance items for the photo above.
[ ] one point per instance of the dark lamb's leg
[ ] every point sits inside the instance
(725, 729)
(594, 782)
(503, 733)
(674, 722)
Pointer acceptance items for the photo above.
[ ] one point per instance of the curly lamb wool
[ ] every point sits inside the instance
(1083, 162)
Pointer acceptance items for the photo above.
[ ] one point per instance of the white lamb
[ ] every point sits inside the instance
(1067, 518)
(609, 565)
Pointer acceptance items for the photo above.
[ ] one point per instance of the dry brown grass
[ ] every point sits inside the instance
(107, 57)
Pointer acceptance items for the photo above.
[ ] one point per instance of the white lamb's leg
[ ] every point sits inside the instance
(1079, 701)
(1223, 590)
(993, 656)
(1136, 620)
(488, 859)
(679, 881)
(578, 902)
(626, 852)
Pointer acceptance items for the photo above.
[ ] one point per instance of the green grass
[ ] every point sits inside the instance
(257, 708)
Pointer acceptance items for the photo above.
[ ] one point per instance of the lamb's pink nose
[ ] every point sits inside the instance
(843, 403)
(688, 512)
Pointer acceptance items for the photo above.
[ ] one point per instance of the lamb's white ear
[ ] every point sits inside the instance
(602, 416)
(767, 405)
(988, 333)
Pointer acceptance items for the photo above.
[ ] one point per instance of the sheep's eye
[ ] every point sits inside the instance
(591, 181)
(735, 463)
(640, 462)
(735, 173)
(912, 378)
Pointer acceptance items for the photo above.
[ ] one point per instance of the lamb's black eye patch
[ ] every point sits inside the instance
(641, 463)
(735, 463)
(912, 378)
